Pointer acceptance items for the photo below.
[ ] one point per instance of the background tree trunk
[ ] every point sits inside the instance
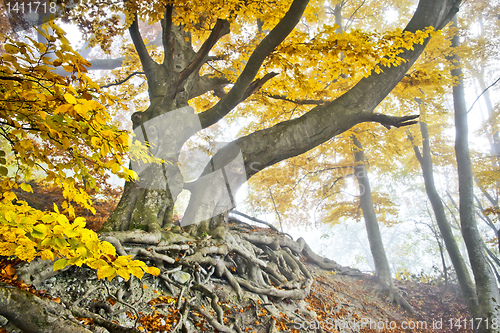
(486, 287)
(458, 261)
(382, 268)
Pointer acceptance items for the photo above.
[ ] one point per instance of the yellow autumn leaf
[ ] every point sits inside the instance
(137, 272)
(26, 187)
(124, 273)
(153, 271)
(107, 248)
(106, 272)
(47, 255)
(11, 49)
(40, 231)
(70, 98)
(96, 263)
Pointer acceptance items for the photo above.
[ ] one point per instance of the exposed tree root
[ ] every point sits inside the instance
(30, 313)
(396, 298)
(255, 263)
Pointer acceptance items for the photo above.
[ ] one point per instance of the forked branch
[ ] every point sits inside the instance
(266, 46)
(220, 29)
(392, 121)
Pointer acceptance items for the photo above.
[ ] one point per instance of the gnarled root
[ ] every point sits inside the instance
(257, 264)
(33, 314)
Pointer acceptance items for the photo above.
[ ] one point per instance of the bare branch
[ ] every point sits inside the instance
(147, 62)
(482, 93)
(266, 46)
(116, 83)
(392, 121)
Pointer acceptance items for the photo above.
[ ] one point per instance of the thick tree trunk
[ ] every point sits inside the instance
(147, 203)
(486, 287)
(172, 83)
(463, 276)
(33, 314)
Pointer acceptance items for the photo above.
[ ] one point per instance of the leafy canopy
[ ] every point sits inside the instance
(57, 127)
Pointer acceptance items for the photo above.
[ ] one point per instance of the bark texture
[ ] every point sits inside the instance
(30, 313)
(463, 276)
(486, 287)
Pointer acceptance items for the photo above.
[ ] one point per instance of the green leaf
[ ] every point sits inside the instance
(39, 231)
(60, 264)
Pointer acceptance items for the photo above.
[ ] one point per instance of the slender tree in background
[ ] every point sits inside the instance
(486, 287)
(382, 268)
(461, 269)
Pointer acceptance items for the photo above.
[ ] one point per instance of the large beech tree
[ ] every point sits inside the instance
(176, 80)
(215, 57)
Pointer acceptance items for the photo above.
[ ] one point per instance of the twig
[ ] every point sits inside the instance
(276, 209)
(481, 94)
(116, 83)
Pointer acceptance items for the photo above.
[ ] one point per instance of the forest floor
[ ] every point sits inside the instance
(337, 303)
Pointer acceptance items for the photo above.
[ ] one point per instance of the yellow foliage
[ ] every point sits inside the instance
(56, 126)
(28, 233)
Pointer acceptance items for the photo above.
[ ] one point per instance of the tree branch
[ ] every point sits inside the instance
(208, 83)
(392, 121)
(268, 44)
(220, 29)
(99, 64)
(166, 25)
(257, 84)
(296, 136)
(116, 83)
(297, 101)
(147, 62)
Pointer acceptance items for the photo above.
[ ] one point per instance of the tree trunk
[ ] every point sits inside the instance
(458, 261)
(33, 314)
(148, 205)
(486, 287)
(382, 269)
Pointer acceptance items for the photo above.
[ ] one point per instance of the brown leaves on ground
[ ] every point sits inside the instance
(8, 275)
(44, 197)
(344, 302)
